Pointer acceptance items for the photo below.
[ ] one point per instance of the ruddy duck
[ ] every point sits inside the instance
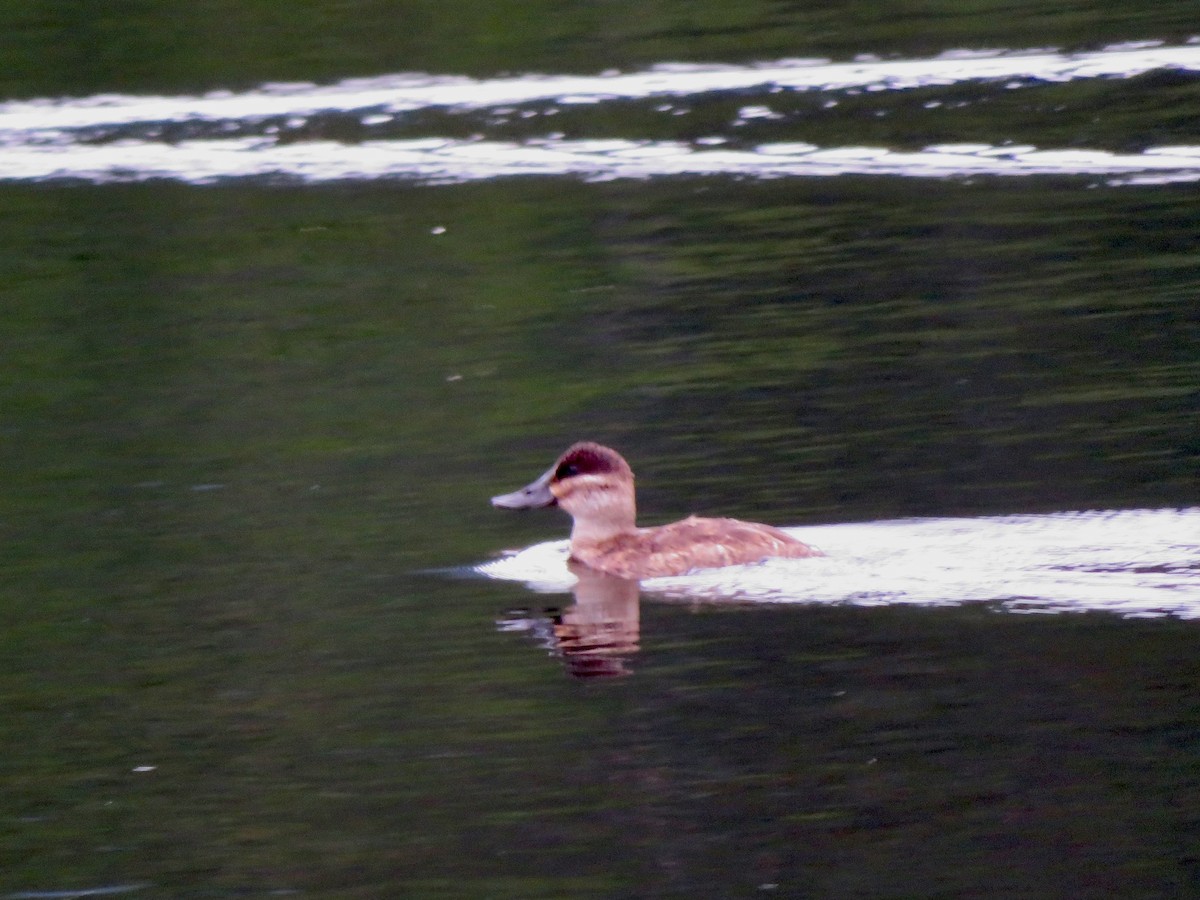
(594, 485)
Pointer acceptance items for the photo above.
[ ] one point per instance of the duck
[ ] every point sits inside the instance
(594, 485)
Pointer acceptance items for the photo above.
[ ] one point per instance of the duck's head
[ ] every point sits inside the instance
(592, 483)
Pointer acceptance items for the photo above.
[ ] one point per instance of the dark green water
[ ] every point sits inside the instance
(246, 429)
(241, 423)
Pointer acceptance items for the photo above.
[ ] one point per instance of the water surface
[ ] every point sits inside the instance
(269, 349)
(761, 120)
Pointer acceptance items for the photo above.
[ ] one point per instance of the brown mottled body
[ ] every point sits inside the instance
(595, 485)
(693, 543)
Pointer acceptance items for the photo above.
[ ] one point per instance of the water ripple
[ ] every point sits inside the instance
(1129, 562)
(259, 133)
(445, 161)
(408, 92)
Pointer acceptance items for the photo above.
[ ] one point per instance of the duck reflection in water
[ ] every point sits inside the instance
(598, 633)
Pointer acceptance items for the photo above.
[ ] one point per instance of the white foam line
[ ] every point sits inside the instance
(435, 160)
(406, 92)
(1129, 562)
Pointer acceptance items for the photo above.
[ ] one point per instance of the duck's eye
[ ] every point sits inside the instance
(566, 470)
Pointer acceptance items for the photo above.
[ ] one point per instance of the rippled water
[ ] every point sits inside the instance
(1130, 562)
(268, 351)
(285, 130)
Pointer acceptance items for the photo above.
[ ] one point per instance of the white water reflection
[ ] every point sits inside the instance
(115, 138)
(1129, 562)
(445, 161)
(408, 92)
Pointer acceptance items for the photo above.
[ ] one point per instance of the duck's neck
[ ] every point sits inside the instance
(603, 523)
